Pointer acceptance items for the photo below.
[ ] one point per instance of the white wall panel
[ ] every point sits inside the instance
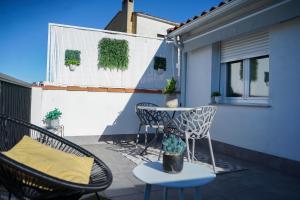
(140, 72)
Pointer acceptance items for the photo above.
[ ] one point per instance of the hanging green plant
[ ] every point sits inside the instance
(113, 54)
(160, 63)
(72, 57)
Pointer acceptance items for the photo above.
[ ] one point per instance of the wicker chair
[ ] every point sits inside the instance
(27, 183)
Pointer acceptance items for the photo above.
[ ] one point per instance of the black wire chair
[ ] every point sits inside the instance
(27, 183)
(150, 119)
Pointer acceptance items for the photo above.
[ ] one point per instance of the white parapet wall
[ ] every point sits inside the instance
(91, 113)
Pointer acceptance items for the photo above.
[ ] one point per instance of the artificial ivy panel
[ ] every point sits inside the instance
(160, 63)
(113, 54)
(72, 57)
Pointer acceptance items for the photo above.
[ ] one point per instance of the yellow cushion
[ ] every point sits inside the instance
(53, 162)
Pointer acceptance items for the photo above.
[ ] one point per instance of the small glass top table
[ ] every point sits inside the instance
(162, 109)
(158, 108)
(192, 175)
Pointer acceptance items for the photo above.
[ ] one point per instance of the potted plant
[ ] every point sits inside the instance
(52, 119)
(160, 64)
(173, 148)
(170, 93)
(215, 97)
(72, 59)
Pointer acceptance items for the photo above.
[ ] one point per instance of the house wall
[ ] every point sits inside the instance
(273, 130)
(150, 27)
(91, 113)
(118, 23)
(198, 82)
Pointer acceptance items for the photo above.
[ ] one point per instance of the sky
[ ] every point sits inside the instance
(24, 26)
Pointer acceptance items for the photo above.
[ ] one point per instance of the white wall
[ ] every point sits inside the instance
(273, 130)
(198, 81)
(91, 113)
(140, 72)
(150, 27)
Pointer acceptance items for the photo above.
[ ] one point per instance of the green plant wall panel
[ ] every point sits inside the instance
(113, 54)
(72, 57)
(160, 63)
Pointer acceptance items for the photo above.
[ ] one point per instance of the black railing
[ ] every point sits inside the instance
(15, 98)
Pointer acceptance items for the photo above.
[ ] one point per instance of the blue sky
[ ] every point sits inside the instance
(24, 26)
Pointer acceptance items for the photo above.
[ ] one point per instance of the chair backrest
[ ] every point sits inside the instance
(195, 123)
(151, 117)
(145, 116)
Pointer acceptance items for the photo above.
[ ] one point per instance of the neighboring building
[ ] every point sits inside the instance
(139, 23)
(249, 51)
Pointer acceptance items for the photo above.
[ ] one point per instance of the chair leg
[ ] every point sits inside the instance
(211, 152)
(97, 195)
(193, 151)
(161, 147)
(138, 136)
(187, 147)
(146, 135)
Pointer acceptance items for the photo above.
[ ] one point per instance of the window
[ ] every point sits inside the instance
(246, 81)
(259, 77)
(235, 83)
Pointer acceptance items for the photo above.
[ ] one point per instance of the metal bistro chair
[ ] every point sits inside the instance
(150, 119)
(192, 125)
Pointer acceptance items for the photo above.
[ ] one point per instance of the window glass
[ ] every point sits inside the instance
(235, 84)
(259, 77)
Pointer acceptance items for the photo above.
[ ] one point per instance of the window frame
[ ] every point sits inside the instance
(246, 98)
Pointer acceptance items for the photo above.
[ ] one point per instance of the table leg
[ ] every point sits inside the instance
(173, 114)
(147, 192)
(151, 142)
(165, 193)
(181, 194)
(197, 193)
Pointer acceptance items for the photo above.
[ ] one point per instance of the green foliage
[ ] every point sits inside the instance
(173, 145)
(215, 94)
(160, 63)
(170, 87)
(54, 114)
(72, 57)
(113, 54)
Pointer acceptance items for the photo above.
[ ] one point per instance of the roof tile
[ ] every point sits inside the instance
(222, 3)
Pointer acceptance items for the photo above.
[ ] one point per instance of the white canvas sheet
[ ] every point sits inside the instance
(140, 72)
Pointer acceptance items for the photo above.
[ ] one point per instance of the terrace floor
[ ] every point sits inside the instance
(256, 182)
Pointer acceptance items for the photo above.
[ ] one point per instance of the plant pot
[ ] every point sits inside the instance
(160, 71)
(72, 67)
(171, 100)
(218, 99)
(52, 124)
(172, 163)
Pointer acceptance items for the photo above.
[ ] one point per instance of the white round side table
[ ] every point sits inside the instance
(192, 175)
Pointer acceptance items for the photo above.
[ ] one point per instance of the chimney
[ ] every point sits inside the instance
(128, 9)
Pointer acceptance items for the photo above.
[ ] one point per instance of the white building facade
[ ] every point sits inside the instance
(249, 52)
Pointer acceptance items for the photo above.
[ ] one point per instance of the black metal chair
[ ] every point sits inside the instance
(150, 119)
(27, 183)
